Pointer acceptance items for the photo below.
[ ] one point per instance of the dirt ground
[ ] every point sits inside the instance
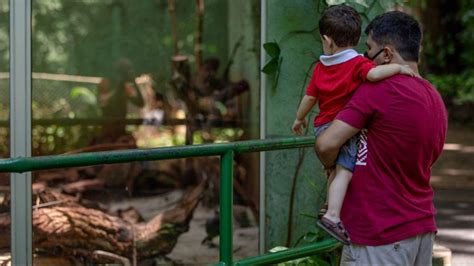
(189, 249)
(453, 182)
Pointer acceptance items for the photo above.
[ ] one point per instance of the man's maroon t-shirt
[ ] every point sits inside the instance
(404, 124)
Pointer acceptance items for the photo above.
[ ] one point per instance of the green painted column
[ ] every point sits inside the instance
(289, 175)
(225, 211)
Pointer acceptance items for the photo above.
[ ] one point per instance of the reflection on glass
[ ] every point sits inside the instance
(4, 130)
(123, 74)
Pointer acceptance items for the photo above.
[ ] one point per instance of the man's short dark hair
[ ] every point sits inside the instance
(342, 24)
(398, 29)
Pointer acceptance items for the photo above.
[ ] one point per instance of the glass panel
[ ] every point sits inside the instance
(5, 246)
(123, 74)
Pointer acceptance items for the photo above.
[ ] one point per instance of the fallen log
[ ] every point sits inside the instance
(69, 229)
(83, 185)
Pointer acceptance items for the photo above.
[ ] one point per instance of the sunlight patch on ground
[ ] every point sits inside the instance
(458, 147)
(456, 172)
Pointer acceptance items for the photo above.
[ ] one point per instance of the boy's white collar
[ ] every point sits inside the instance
(338, 58)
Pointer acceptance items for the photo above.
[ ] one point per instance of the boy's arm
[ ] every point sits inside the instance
(305, 107)
(384, 71)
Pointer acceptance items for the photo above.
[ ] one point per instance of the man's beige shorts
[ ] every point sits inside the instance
(413, 251)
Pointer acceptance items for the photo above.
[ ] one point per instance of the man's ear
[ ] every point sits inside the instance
(388, 53)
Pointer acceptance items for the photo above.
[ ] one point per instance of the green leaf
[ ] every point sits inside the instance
(277, 248)
(86, 94)
(271, 67)
(272, 49)
(320, 262)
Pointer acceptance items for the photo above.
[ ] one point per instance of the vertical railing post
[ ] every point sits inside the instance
(20, 129)
(226, 200)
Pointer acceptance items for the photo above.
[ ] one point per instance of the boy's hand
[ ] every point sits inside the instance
(406, 70)
(298, 125)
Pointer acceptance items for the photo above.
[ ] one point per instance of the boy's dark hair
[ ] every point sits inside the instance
(398, 29)
(342, 24)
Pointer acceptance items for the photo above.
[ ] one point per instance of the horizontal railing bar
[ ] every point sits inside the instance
(111, 157)
(290, 254)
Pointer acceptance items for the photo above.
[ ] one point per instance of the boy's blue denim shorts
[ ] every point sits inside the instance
(347, 153)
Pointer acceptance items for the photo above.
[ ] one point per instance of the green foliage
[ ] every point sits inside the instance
(466, 15)
(305, 261)
(314, 235)
(272, 67)
(88, 99)
(456, 89)
(88, 37)
(272, 49)
(4, 35)
(448, 51)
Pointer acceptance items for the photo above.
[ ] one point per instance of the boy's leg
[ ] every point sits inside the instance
(337, 192)
(330, 179)
(323, 210)
(328, 185)
(345, 163)
(331, 221)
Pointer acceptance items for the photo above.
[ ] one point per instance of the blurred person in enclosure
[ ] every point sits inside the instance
(115, 92)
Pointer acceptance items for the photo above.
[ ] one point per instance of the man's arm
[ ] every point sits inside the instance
(331, 140)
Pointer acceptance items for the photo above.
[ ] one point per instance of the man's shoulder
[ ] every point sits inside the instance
(386, 83)
(369, 89)
(395, 83)
(401, 80)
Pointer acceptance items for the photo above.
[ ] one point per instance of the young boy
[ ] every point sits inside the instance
(338, 74)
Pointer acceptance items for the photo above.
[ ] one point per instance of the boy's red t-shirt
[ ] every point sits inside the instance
(334, 85)
(390, 197)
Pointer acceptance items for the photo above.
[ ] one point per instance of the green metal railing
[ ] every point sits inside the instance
(225, 150)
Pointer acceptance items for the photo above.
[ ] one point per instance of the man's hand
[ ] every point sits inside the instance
(331, 140)
(298, 125)
(406, 70)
